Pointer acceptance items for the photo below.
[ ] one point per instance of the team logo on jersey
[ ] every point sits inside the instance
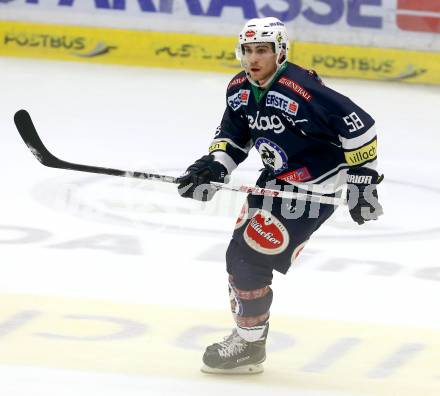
(279, 101)
(266, 234)
(241, 98)
(272, 155)
(266, 123)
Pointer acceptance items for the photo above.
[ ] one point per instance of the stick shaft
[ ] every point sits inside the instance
(30, 136)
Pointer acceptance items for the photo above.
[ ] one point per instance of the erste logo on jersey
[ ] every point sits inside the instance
(241, 98)
(266, 234)
(281, 102)
(272, 155)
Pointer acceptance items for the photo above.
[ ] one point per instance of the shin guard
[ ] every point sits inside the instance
(250, 309)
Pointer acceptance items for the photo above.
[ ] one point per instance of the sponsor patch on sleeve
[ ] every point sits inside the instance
(241, 98)
(295, 87)
(362, 155)
(236, 81)
(218, 146)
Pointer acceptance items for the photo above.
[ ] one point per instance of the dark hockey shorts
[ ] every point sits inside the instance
(269, 234)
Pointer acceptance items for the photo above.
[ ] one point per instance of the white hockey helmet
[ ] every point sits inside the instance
(264, 30)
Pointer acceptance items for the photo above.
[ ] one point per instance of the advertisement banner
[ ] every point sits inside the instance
(405, 24)
(117, 46)
(206, 52)
(369, 63)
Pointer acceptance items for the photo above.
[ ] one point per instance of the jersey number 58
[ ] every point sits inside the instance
(354, 122)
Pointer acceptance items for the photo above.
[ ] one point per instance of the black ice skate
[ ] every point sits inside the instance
(235, 355)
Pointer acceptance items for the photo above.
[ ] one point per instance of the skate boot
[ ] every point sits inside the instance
(235, 355)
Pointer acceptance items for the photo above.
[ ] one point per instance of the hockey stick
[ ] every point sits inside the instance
(30, 136)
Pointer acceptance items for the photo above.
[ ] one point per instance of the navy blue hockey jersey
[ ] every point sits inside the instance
(305, 132)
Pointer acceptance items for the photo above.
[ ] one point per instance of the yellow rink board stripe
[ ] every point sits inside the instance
(101, 336)
(205, 52)
(116, 46)
(385, 64)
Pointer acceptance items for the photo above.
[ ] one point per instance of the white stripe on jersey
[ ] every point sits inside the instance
(339, 178)
(354, 143)
(335, 182)
(225, 159)
(370, 165)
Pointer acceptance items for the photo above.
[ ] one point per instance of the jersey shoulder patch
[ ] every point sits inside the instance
(294, 88)
(237, 81)
(300, 82)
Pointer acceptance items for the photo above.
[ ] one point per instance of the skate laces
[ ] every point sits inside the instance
(232, 345)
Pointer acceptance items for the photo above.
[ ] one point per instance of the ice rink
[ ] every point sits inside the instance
(114, 287)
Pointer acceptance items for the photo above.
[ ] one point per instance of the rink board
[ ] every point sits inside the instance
(206, 53)
(405, 24)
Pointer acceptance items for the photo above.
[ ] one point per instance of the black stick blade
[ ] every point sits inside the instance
(29, 134)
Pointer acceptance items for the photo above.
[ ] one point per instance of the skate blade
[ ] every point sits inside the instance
(243, 370)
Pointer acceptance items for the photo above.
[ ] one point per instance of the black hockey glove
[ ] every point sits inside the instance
(362, 194)
(194, 183)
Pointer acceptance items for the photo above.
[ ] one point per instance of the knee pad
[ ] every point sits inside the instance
(250, 309)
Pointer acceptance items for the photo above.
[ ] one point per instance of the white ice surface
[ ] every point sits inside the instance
(79, 237)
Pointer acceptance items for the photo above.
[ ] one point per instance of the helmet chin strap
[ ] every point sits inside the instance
(269, 80)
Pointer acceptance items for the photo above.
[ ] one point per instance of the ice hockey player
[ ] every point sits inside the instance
(306, 134)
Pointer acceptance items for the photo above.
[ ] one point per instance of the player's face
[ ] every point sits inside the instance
(260, 61)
